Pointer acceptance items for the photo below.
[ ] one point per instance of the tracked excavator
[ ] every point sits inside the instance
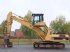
(38, 25)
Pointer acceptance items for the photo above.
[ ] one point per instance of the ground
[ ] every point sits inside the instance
(29, 48)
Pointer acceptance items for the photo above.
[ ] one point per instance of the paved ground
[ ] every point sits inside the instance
(29, 48)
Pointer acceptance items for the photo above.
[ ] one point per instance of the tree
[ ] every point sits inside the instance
(2, 25)
(28, 32)
(28, 16)
(67, 28)
(57, 24)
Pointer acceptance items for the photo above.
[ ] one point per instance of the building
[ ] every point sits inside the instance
(19, 33)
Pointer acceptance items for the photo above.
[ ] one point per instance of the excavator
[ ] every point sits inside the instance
(38, 25)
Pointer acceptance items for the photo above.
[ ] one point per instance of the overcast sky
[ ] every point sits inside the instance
(50, 9)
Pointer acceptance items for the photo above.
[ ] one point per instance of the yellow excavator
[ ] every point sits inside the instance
(38, 26)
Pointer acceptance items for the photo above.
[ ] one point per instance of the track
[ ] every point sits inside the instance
(29, 48)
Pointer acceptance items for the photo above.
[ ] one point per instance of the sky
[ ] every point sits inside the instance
(50, 8)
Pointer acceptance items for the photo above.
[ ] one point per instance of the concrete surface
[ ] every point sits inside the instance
(29, 48)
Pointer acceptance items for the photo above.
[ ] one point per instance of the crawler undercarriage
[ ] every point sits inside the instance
(48, 44)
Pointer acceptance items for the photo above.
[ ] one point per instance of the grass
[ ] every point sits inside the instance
(22, 43)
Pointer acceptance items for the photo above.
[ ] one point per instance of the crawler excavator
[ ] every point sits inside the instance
(38, 26)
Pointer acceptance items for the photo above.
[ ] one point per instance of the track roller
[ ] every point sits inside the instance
(36, 45)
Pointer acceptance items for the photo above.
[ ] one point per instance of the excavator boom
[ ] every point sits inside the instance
(42, 34)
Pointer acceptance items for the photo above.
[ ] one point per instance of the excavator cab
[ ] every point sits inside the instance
(37, 18)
